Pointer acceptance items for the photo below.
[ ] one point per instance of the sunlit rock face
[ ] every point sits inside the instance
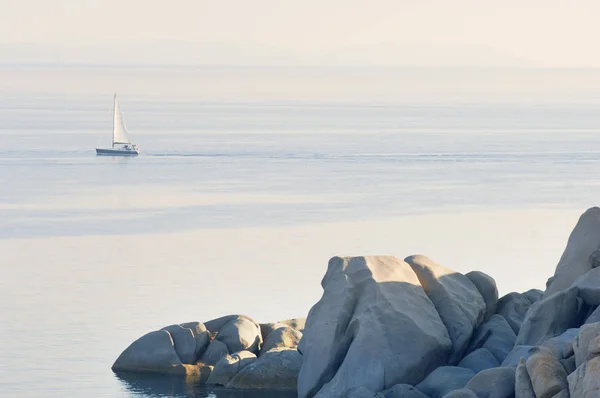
(153, 352)
(374, 327)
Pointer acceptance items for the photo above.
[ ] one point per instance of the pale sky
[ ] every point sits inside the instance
(539, 33)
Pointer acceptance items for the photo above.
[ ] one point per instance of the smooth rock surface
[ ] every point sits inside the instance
(494, 383)
(201, 336)
(496, 336)
(513, 308)
(275, 369)
(486, 285)
(215, 325)
(282, 337)
(443, 380)
(518, 352)
(295, 323)
(213, 354)
(457, 300)
(585, 381)
(523, 387)
(240, 334)
(548, 377)
(575, 260)
(461, 393)
(374, 327)
(184, 343)
(562, 346)
(153, 352)
(550, 317)
(581, 344)
(229, 366)
(478, 360)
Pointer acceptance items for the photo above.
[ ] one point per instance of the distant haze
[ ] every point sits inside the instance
(534, 33)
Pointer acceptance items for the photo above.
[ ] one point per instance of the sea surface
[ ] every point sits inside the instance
(239, 198)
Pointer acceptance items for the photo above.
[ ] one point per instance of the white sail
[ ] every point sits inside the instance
(119, 130)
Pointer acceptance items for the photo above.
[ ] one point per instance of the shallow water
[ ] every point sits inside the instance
(236, 207)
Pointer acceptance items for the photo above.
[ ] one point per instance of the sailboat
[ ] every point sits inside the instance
(121, 144)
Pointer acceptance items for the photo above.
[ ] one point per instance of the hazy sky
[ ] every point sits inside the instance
(389, 32)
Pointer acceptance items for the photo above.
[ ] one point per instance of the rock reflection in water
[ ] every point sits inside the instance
(153, 385)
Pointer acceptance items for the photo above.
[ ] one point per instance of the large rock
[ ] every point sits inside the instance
(582, 344)
(518, 352)
(237, 332)
(550, 317)
(275, 370)
(215, 325)
(184, 343)
(523, 387)
(229, 366)
(575, 260)
(401, 391)
(282, 337)
(585, 381)
(496, 336)
(201, 336)
(374, 327)
(494, 383)
(589, 287)
(213, 354)
(478, 360)
(443, 380)
(547, 375)
(153, 352)
(562, 346)
(461, 393)
(456, 298)
(488, 290)
(295, 323)
(513, 308)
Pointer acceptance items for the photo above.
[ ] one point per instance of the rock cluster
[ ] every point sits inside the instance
(232, 351)
(387, 328)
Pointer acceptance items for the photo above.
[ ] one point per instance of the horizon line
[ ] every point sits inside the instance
(67, 65)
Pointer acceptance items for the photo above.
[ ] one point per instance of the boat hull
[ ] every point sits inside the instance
(116, 152)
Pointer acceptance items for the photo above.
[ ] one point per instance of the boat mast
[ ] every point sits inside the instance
(114, 110)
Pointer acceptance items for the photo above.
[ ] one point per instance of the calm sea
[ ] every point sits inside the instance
(246, 184)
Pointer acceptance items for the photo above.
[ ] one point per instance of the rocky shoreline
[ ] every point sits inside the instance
(388, 328)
